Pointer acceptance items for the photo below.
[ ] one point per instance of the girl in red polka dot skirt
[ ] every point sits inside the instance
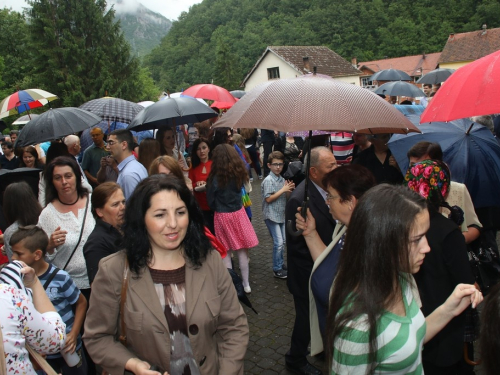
(232, 226)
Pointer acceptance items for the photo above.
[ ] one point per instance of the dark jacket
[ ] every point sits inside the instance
(299, 258)
(227, 199)
(103, 241)
(444, 267)
(383, 172)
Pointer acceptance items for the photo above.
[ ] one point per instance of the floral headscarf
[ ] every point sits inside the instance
(429, 178)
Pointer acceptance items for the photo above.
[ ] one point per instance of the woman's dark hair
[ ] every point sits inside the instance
(195, 160)
(489, 340)
(160, 134)
(101, 194)
(422, 148)
(55, 149)
(149, 150)
(62, 161)
(376, 251)
(219, 136)
(136, 240)
(32, 150)
(20, 204)
(227, 166)
(352, 180)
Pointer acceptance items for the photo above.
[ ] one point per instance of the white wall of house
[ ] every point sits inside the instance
(259, 75)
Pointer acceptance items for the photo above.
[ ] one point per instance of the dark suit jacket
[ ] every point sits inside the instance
(299, 258)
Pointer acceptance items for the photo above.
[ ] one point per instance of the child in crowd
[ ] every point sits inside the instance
(28, 245)
(274, 193)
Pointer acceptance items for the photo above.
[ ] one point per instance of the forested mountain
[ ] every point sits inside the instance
(221, 40)
(142, 27)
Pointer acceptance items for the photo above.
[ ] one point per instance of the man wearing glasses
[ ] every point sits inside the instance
(300, 262)
(130, 171)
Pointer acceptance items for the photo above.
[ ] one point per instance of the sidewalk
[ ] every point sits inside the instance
(270, 331)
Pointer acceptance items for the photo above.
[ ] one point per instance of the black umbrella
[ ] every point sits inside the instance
(238, 285)
(436, 76)
(399, 89)
(237, 93)
(390, 75)
(54, 124)
(171, 112)
(29, 175)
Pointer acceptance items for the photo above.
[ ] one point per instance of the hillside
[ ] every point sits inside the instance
(142, 27)
(221, 40)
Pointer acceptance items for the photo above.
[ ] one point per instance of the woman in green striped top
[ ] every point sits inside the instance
(375, 325)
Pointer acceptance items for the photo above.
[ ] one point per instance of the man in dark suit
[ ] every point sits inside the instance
(299, 259)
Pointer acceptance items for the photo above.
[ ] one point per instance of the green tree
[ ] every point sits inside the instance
(81, 53)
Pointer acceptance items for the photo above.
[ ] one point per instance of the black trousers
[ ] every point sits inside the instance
(301, 334)
(268, 148)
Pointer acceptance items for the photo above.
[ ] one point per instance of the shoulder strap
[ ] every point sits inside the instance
(81, 233)
(123, 299)
(51, 277)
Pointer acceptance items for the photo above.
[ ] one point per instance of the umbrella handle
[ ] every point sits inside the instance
(289, 224)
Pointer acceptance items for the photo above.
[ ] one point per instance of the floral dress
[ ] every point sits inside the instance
(21, 323)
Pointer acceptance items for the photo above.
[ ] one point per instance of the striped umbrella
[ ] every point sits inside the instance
(113, 109)
(24, 100)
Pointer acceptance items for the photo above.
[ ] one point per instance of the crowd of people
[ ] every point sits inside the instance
(121, 239)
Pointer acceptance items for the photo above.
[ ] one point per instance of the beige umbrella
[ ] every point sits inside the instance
(315, 103)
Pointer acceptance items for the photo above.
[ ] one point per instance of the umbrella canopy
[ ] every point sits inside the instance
(29, 175)
(222, 105)
(473, 90)
(171, 112)
(210, 92)
(390, 75)
(408, 110)
(24, 100)
(470, 150)
(436, 76)
(146, 103)
(113, 109)
(182, 95)
(314, 103)
(238, 94)
(399, 89)
(54, 124)
(25, 119)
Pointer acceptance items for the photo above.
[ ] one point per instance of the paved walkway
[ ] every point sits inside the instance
(271, 329)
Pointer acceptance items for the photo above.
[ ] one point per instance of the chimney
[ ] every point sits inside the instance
(307, 65)
(484, 29)
(423, 55)
(452, 36)
(354, 62)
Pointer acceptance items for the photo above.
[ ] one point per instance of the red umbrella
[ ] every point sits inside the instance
(473, 90)
(222, 105)
(210, 92)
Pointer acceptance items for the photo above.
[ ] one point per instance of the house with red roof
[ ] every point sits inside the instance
(415, 66)
(292, 61)
(463, 48)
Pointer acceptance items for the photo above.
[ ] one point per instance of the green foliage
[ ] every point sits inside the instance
(81, 53)
(221, 40)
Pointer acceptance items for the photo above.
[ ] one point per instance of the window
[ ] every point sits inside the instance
(366, 82)
(273, 73)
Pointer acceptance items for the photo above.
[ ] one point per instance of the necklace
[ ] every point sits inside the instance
(68, 204)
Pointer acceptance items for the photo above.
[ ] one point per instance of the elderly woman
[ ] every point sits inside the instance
(179, 307)
(168, 165)
(28, 318)
(345, 186)
(67, 220)
(374, 322)
(446, 266)
(108, 208)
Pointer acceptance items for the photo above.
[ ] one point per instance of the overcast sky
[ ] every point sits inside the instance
(169, 8)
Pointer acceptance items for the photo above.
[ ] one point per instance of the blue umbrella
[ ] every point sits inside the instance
(469, 149)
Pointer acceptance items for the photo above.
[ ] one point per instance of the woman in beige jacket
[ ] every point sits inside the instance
(181, 310)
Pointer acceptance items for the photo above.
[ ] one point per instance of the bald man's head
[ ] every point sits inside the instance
(72, 142)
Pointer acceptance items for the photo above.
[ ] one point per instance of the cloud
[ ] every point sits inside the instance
(125, 6)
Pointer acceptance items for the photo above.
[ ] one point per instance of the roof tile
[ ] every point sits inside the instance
(408, 64)
(470, 46)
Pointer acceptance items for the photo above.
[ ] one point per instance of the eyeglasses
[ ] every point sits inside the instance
(278, 164)
(331, 197)
(111, 143)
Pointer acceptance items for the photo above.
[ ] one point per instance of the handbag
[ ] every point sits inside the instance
(485, 267)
